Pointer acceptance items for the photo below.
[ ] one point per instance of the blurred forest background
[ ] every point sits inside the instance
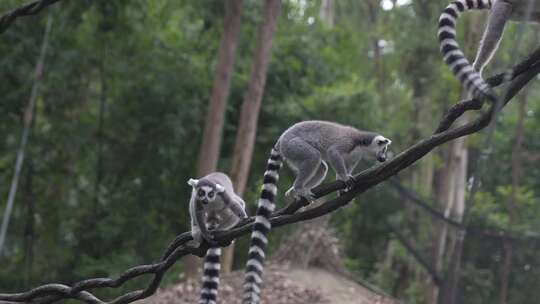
(120, 113)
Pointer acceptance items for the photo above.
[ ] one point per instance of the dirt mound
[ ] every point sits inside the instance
(283, 284)
(306, 268)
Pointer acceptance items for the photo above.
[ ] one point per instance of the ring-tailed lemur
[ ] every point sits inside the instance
(307, 147)
(500, 12)
(213, 206)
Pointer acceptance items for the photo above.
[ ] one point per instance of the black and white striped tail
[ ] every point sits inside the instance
(453, 56)
(210, 279)
(257, 246)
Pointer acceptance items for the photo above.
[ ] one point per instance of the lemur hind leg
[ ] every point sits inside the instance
(319, 176)
(306, 160)
(499, 15)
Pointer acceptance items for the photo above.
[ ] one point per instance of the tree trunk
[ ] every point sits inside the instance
(215, 117)
(511, 205)
(443, 180)
(506, 268)
(459, 163)
(373, 13)
(451, 184)
(327, 12)
(451, 194)
(251, 106)
(27, 123)
(211, 142)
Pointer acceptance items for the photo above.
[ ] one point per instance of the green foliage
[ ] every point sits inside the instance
(151, 64)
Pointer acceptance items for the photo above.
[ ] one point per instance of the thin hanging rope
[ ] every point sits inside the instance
(27, 121)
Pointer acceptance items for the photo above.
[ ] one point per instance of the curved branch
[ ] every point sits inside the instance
(29, 9)
(364, 181)
(475, 104)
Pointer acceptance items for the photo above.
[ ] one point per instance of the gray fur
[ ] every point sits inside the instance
(309, 147)
(221, 210)
(213, 206)
(500, 13)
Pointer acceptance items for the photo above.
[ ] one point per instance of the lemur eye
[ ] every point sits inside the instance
(201, 192)
(381, 142)
(211, 194)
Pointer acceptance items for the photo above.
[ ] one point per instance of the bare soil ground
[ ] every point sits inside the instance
(283, 285)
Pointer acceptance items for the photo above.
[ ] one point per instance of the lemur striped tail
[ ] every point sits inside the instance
(210, 279)
(257, 246)
(452, 54)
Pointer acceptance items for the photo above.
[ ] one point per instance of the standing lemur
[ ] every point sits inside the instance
(213, 206)
(500, 12)
(308, 148)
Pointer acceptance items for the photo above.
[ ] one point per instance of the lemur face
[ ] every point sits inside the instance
(379, 146)
(205, 191)
(206, 194)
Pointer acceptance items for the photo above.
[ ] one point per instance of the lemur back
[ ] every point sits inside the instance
(500, 12)
(214, 206)
(306, 147)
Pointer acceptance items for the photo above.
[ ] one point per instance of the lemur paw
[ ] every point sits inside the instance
(290, 193)
(298, 194)
(242, 215)
(210, 239)
(197, 240)
(350, 182)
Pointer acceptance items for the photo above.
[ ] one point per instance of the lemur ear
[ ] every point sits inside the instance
(220, 188)
(193, 182)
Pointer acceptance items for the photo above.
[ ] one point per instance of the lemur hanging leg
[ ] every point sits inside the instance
(498, 16)
(308, 147)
